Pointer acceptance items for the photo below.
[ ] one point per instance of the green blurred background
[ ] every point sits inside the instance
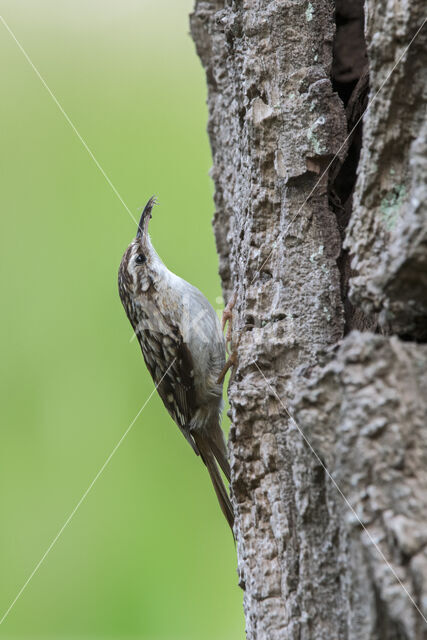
(148, 554)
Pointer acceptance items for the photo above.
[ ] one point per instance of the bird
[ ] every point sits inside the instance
(183, 347)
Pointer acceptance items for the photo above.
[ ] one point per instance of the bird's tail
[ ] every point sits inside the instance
(219, 449)
(208, 457)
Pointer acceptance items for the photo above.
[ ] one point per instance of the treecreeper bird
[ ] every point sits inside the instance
(183, 347)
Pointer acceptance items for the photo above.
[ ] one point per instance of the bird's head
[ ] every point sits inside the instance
(140, 265)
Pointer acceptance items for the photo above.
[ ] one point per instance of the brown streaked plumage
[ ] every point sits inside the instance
(183, 347)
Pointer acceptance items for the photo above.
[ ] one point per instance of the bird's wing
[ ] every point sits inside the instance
(170, 364)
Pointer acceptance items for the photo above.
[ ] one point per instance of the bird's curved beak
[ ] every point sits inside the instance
(145, 218)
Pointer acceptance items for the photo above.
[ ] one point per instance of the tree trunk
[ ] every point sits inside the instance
(323, 236)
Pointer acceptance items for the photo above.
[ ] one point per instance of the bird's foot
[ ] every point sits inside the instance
(231, 363)
(227, 320)
(227, 317)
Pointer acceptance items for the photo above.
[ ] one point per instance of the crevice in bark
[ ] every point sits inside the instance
(351, 81)
(385, 627)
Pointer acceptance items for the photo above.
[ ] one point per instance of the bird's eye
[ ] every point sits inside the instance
(140, 258)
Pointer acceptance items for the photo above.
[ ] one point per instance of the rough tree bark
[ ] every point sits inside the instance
(324, 239)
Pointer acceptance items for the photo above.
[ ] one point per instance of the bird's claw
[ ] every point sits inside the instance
(231, 362)
(227, 317)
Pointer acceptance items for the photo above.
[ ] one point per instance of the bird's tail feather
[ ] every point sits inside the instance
(220, 454)
(208, 457)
